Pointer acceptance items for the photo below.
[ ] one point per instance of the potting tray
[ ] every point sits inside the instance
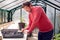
(12, 33)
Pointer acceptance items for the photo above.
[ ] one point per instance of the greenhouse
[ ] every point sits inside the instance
(13, 18)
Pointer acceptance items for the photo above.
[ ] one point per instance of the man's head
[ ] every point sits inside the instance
(27, 6)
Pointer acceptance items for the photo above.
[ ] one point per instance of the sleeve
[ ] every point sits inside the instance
(36, 19)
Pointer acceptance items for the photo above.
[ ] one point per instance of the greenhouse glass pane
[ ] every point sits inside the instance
(10, 4)
(58, 1)
(1, 0)
(55, 2)
(6, 2)
(13, 5)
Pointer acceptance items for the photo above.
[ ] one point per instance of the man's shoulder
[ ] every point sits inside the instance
(36, 8)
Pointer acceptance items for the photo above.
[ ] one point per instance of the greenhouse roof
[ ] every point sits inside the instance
(10, 4)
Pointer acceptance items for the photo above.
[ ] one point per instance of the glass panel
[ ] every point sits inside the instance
(13, 4)
(6, 2)
(58, 19)
(55, 2)
(2, 0)
(10, 4)
(57, 25)
(16, 16)
(50, 13)
(3, 16)
(58, 1)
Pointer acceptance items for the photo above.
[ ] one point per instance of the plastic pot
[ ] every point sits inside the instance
(21, 25)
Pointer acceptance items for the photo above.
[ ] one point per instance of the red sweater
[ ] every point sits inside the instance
(38, 18)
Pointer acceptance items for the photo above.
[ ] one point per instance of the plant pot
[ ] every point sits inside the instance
(21, 25)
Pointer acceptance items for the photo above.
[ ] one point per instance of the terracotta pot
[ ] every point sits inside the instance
(21, 25)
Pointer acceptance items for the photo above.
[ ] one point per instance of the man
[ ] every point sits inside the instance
(38, 18)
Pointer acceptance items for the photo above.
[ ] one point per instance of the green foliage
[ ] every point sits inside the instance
(57, 37)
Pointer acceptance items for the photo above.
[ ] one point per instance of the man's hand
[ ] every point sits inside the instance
(19, 31)
(26, 31)
(22, 29)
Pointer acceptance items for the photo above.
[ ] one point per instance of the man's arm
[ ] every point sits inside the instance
(36, 19)
(29, 25)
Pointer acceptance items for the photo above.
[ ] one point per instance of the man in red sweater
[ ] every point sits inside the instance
(38, 18)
